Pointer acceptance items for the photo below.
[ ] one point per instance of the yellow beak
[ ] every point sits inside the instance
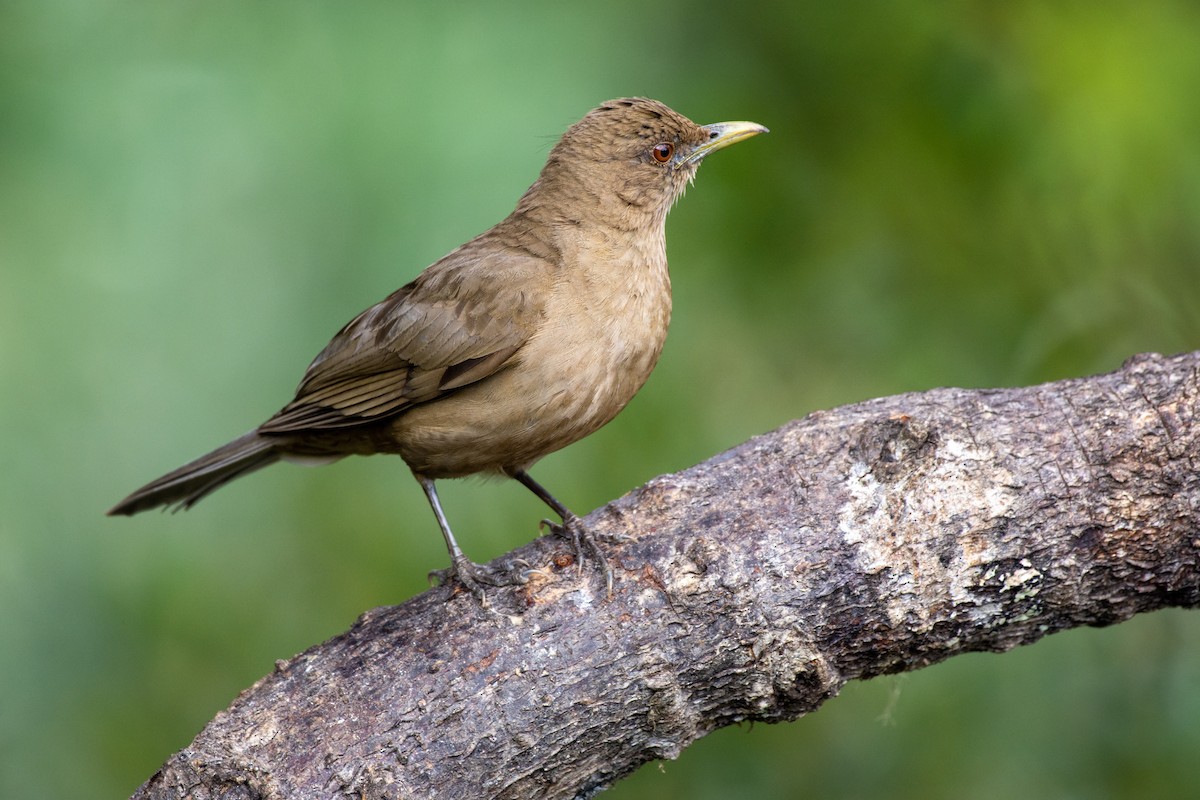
(721, 135)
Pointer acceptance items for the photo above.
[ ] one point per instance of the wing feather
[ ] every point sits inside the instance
(460, 321)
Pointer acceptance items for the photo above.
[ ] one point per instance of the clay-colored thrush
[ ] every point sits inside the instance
(521, 341)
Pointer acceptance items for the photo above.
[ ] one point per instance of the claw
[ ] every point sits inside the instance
(571, 528)
(581, 537)
(477, 578)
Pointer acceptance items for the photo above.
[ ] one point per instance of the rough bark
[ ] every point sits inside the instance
(869, 539)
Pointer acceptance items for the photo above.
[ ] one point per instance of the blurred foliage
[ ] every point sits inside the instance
(195, 196)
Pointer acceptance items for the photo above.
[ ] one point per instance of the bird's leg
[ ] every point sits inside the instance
(572, 527)
(471, 575)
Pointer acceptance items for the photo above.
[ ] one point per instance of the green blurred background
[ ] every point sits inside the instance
(195, 196)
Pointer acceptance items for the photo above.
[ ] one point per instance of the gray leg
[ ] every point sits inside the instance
(563, 512)
(431, 494)
(471, 575)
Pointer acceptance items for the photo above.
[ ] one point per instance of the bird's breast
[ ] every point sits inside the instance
(612, 316)
(605, 321)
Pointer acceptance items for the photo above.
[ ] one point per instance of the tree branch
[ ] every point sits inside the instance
(874, 538)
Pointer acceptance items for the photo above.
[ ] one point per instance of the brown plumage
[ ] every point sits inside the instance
(521, 341)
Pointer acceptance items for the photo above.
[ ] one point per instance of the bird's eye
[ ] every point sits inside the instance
(662, 152)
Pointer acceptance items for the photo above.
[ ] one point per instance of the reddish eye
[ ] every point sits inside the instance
(662, 152)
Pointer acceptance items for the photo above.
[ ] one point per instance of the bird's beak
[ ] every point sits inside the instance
(722, 134)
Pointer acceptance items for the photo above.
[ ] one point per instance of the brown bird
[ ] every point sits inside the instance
(525, 339)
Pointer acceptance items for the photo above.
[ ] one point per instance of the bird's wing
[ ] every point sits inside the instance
(457, 323)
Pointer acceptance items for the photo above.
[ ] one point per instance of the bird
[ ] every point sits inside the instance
(523, 340)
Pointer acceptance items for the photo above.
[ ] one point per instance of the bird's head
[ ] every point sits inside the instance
(636, 155)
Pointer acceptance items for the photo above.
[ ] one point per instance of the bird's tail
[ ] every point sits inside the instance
(194, 480)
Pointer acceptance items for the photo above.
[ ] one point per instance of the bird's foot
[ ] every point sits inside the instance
(478, 578)
(581, 537)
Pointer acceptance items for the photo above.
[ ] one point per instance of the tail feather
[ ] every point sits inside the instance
(196, 479)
